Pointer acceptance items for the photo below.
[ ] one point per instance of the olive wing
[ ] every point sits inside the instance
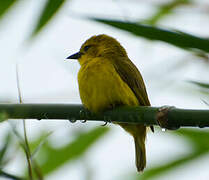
(132, 77)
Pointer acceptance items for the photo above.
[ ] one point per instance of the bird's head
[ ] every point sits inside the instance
(98, 46)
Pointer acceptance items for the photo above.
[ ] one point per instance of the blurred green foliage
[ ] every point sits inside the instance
(3, 117)
(4, 149)
(50, 9)
(5, 157)
(176, 38)
(9, 176)
(52, 158)
(198, 141)
(166, 9)
(200, 84)
(5, 5)
(45, 158)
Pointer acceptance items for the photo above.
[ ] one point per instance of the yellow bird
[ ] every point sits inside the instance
(108, 79)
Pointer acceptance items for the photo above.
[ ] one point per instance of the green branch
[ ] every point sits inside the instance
(166, 117)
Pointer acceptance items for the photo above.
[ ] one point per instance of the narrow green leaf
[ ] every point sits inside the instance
(50, 9)
(207, 103)
(3, 116)
(5, 5)
(197, 138)
(55, 158)
(176, 38)
(199, 141)
(200, 84)
(3, 151)
(9, 176)
(163, 168)
(36, 146)
(165, 10)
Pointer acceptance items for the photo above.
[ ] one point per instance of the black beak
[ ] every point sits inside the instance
(75, 56)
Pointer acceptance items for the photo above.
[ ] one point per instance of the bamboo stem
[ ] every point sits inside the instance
(169, 117)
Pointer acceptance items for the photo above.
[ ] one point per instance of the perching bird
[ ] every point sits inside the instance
(108, 79)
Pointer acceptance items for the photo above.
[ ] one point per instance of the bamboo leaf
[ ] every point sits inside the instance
(207, 103)
(3, 116)
(5, 5)
(165, 10)
(50, 9)
(4, 149)
(200, 146)
(197, 138)
(9, 176)
(200, 84)
(55, 158)
(164, 168)
(36, 146)
(176, 38)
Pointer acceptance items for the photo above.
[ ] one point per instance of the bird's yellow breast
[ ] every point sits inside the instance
(101, 87)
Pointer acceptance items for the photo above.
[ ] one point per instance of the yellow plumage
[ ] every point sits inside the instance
(101, 87)
(107, 78)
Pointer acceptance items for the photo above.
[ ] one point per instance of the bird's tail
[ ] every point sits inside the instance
(140, 152)
(139, 134)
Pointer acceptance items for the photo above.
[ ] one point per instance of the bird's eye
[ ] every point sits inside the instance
(86, 48)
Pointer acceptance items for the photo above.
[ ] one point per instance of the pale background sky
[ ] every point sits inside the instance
(46, 77)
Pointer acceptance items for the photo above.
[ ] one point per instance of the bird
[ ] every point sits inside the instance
(108, 79)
